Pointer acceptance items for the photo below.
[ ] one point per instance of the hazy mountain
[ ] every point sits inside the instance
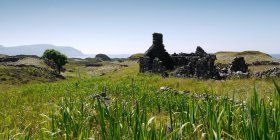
(38, 49)
(275, 55)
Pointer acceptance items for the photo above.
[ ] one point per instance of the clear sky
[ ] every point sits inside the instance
(126, 26)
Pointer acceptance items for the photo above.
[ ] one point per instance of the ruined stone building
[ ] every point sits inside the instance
(199, 65)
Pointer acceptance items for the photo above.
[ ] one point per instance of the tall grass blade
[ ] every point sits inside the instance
(277, 87)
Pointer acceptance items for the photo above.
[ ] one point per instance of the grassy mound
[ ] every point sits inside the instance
(13, 75)
(103, 57)
(250, 56)
(136, 56)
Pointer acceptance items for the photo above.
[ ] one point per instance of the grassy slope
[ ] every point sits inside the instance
(26, 110)
(250, 56)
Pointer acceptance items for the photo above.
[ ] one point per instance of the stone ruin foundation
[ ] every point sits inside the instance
(199, 65)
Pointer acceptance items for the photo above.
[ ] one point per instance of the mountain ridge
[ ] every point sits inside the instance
(38, 49)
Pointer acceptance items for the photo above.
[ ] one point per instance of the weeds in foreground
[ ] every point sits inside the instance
(137, 110)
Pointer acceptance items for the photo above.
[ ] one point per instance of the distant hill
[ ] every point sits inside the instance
(250, 56)
(38, 49)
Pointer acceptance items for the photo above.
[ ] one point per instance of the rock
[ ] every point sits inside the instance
(100, 95)
(241, 75)
(165, 88)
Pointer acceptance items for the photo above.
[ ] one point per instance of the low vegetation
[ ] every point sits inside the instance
(137, 109)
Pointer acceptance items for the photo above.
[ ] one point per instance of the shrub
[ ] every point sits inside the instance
(55, 59)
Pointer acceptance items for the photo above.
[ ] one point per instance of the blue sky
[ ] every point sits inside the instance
(126, 26)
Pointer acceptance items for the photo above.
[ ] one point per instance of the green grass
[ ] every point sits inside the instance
(63, 110)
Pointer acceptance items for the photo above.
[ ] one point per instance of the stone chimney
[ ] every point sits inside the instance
(157, 50)
(157, 38)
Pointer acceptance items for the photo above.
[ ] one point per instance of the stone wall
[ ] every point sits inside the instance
(239, 64)
(258, 63)
(145, 64)
(274, 72)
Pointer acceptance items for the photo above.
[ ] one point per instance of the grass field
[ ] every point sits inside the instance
(247, 109)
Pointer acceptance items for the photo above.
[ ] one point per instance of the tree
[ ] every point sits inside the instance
(55, 59)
